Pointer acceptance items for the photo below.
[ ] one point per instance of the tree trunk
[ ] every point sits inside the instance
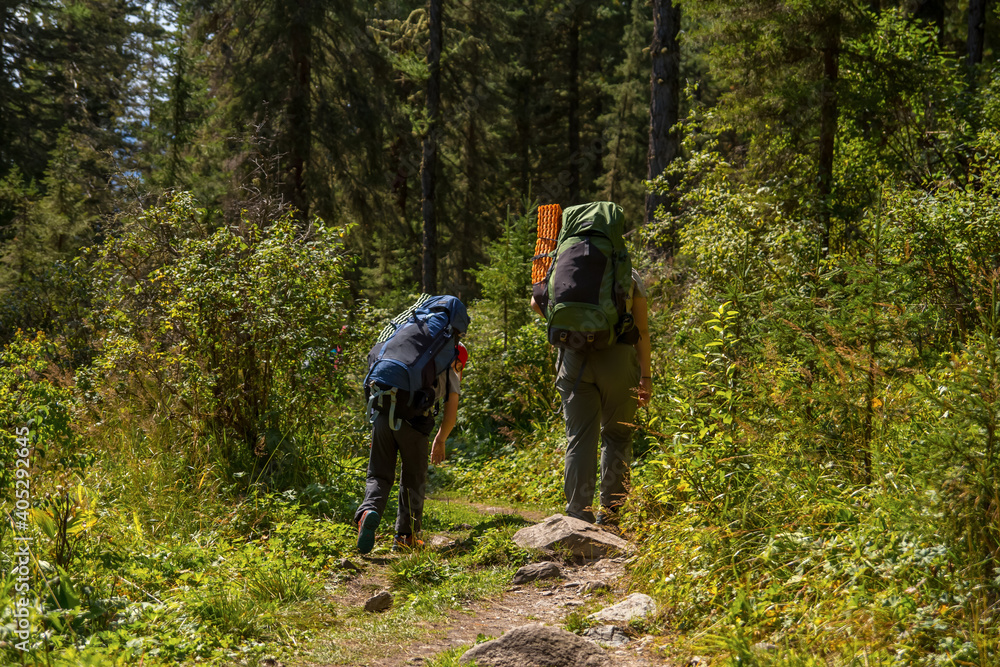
(4, 85)
(299, 109)
(977, 31)
(574, 110)
(828, 126)
(664, 105)
(429, 166)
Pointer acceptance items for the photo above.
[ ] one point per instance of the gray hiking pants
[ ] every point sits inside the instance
(598, 392)
(412, 447)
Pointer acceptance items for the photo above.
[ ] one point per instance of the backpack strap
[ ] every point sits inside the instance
(377, 393)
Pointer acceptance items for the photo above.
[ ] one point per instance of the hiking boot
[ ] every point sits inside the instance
(366, 531)
(608, 519)
(406, 542)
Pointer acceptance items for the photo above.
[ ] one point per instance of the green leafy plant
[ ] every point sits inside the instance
(64, 516)
(237, 328)
(35, 412)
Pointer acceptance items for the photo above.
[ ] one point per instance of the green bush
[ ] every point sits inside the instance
(238, 330)
(508, 387)
(35, 413)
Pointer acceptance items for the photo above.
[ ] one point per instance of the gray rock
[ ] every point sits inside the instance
(607, 634)
(440, 542)
(380, 602)
(348, 565)
(579, 537)
(537, 571)
(594, 587)
(633, 607)
(538, 645)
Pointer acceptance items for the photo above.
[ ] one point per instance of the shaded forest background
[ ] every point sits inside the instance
(208, 208)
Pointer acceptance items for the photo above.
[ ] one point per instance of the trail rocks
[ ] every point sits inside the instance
(579, 537)
(538, 645)
(380, 602)
(633, 607)
(594, 587)
(537, 571)
(607, 634)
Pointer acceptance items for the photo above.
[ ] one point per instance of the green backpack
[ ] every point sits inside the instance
(584, 295)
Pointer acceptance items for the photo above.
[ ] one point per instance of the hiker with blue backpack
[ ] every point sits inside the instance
(415, 366)
(594, 304)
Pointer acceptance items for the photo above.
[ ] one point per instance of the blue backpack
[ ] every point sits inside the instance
(411, 352)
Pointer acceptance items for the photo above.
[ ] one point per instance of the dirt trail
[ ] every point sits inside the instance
(543, 602)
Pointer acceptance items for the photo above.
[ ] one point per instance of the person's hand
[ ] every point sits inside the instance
(437, 451)
(645, 391)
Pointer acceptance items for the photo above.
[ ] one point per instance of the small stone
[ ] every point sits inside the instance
(594, 587)
(537, 644)
(440, 542)
(536, 572)
(345, 564)
(764, 647)
(607, 634)
(635, 606)
(380, 602)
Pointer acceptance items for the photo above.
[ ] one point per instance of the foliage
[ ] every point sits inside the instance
(817, 468)
(702, 450)
(529, 470)
(858, 389)
(512, 386)
(496, 547)
(959, 442)
(236, 329)
(505, 278)
(942, 238)
(32, 407)
(215, 594)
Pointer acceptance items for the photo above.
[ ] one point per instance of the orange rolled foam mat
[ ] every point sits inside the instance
(549, 222)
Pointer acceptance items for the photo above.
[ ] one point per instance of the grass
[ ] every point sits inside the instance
(450, 658)
(186, 562)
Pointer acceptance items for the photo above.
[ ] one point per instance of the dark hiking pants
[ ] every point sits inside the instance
(412, 447)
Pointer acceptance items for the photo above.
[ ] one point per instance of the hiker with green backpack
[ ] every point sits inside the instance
(594, 304)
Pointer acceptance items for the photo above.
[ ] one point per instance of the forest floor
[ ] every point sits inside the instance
(355, 639)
